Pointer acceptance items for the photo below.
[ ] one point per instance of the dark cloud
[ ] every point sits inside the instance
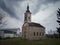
(48, 1)
(5, 8)
(52, 1)
(8, 5)
(36, 7)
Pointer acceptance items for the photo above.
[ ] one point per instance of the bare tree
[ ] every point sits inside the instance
(1, 21)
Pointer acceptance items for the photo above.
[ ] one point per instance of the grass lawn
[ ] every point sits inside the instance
(18, 41)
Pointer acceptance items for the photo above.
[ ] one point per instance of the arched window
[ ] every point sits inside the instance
(29, 17)
(37, 33)
(34, 33)
(25, 17)
(40, 33)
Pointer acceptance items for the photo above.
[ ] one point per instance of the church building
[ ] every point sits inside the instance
(32, 30)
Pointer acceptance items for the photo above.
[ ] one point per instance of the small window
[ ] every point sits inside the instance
(25, 34)
(40, 33)
(25, 18)
(34, 33)
(29, 17)
(37, 33)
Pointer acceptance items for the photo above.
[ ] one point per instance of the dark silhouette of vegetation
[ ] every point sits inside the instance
(58, 17)
(2, 23)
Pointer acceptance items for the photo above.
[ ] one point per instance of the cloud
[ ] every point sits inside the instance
(52, 1)
(47, 16)
(36, 4)
(4, 7)
(41, 10)
(10, 6)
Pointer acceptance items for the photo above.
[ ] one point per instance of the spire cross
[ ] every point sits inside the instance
(28, 8)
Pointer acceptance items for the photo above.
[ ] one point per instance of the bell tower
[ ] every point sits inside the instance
(27, 15)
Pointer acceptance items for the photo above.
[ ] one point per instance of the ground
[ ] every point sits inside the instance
(18, 41)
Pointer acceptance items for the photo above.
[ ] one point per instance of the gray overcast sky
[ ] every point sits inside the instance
(43, 12)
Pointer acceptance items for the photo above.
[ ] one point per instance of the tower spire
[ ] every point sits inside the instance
(27, 8)
(27, 15)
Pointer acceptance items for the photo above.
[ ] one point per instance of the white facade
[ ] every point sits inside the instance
(4, 33)
(9, 35)
(31, 30)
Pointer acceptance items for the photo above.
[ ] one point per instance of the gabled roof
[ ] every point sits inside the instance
(35, 24)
